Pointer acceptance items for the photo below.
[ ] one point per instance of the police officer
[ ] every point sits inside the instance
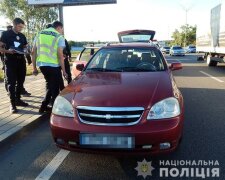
(15, 42)
(47, 54)
(67, 54)
(23, 90)
(67, 58)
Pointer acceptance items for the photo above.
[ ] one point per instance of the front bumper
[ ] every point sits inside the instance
(66, 133)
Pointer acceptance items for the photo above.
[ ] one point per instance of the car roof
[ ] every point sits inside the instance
(136, 45)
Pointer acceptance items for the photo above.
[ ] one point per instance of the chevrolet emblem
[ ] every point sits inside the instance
(108, 116)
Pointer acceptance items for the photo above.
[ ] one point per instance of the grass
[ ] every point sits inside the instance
(1, 75)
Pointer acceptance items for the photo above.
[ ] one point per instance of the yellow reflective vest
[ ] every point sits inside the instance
(47, 46)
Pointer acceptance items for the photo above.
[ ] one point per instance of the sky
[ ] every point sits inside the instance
(102, 22)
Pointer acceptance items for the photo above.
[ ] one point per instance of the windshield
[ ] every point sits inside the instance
(126, 60)
(177, 47)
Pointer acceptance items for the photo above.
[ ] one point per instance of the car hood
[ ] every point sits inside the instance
(126, 89)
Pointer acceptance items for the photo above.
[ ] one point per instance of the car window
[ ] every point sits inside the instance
(177, 47)
(127, 60)
(87, 54)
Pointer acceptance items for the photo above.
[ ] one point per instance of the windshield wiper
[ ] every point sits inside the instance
(103, 70)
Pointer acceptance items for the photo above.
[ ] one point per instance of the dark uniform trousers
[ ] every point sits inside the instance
(52, 77)
(15, 71)
(68, 71)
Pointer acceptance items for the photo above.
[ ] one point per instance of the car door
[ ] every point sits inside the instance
(83, 58)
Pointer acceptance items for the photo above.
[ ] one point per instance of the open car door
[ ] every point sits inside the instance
(136, 36)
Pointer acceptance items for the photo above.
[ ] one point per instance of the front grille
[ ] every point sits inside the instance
(110, 116)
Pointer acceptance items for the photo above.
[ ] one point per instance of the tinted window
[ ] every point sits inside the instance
(177, 47)
(127, 60)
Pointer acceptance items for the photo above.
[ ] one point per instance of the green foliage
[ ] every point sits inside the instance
(185, 36)
(36, 18)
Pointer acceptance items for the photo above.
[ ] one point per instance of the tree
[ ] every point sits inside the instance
(186, 35)
(36, 18)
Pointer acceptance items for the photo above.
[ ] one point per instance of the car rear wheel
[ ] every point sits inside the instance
(210, 62)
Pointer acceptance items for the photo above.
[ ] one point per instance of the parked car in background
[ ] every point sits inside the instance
(165, 49)
(125, 100)
(177, 51)
(84, 56)
(190, 49)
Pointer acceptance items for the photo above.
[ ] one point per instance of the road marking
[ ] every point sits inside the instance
(211, 76)
(53, 165)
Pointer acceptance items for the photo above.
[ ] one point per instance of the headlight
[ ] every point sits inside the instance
(62, 107)
(166, 108)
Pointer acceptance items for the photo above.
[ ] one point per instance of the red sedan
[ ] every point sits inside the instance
(125, 100)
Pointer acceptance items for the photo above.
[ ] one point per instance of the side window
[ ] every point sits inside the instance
(87, 54)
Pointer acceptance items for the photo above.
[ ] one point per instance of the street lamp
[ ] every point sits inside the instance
(186, 7)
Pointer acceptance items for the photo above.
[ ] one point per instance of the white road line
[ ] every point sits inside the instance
(53, 165)
(211, 76)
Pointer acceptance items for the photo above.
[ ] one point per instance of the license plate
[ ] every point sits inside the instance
(107, 141)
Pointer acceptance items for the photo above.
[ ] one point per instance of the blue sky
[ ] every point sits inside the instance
(102, 22)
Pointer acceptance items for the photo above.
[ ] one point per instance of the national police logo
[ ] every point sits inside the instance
(144, 168)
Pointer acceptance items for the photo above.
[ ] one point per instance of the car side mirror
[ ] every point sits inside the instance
(175, 66)
(80, 67)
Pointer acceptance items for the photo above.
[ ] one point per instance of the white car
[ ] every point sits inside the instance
(177, 51)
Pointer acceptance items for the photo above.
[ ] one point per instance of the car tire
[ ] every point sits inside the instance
(210, 62)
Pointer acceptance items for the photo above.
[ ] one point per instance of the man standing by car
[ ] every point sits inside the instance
(47, 53)
(15, 62)
(67, 54)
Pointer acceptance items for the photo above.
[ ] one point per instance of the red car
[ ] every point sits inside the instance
(125, 100)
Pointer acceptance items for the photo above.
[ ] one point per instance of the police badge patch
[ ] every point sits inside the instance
(18, 38)
(144, 168)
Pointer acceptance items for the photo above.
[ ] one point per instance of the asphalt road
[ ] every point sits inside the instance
(203, 89)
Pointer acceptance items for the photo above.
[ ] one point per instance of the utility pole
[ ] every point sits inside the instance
(186, 8)
(60, 13)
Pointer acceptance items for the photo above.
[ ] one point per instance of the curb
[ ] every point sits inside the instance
(18, 132)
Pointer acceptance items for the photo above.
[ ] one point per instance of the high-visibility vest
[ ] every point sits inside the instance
(47, 46)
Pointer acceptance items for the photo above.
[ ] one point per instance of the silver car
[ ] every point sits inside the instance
(165, 49)
(177, 51)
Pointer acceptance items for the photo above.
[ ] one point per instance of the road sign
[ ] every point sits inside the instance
(70, 2)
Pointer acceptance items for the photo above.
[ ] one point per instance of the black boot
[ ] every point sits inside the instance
(45, 109)
(13, 108)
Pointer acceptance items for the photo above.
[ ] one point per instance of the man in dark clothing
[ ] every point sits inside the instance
(23, 90)
(15, 64)
(67, 54)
